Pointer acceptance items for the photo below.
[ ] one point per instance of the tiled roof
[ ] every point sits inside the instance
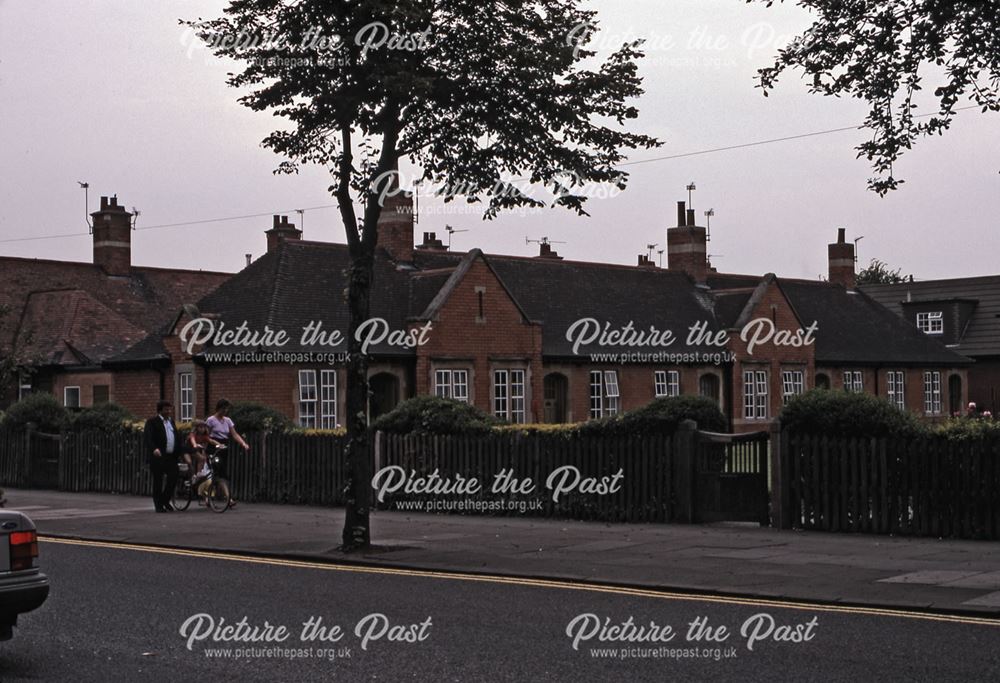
(303, 281)
(981, 336)
(853, 328)
(91, 312)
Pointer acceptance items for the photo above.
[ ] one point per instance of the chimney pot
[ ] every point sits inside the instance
(681, 221)
(841, 235)
(690, 217)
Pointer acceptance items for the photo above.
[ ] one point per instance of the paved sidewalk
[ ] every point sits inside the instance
(956, 576)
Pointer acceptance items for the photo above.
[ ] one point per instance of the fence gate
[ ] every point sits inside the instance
(43, 463)
(730, 477)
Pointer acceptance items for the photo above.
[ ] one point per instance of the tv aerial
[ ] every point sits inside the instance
(451, 231)
(86, 204)
(708, 224)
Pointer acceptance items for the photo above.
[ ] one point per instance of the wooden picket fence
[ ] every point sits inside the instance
(13, 458)
(644, 494)
(925, 486)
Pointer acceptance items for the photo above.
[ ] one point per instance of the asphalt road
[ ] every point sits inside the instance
(117, 614)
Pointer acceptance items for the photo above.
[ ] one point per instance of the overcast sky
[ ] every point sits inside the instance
(112, 93)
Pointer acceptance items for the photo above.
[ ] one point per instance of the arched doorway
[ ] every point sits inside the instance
(955, 395)
(822, 380)
(556, 389)
(383, 394)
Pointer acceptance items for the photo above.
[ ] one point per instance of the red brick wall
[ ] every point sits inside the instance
(500, 338)
(137, 390)
(984, 384)
(769, 357)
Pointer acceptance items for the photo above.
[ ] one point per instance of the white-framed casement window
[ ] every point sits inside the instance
(71, 397)
(896, 388)
(307, 399)
(604, 395)
(23, 390)
(931, 322)
(328, 399)
(508, 395)
(854, 381)
(793, 383)
(932, 393)
(755, 394)
(666, 383)
(452, 384)
(185, 384)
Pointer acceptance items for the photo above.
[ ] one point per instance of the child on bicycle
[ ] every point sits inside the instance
(198, 442)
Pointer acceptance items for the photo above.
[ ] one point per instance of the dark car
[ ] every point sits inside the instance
(22, 587)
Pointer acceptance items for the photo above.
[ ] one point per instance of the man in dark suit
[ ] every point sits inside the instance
(162, 445)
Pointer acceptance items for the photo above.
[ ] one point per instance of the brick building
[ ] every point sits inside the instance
(62, 319)
(964, 315)
(505, 334)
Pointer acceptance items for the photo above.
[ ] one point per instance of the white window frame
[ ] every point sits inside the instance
(931, 322)
(895, 384)
(793, 383)
(452, 383)
(328, 399)
(666, 383)
(755, 395)
(854, 381)
(509, 394)
(79, 396)
(932, 392)
(307, 399)
(185, 396)
(605, 397)
(23, 390)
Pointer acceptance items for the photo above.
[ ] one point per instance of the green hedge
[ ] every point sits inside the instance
(662, 416)
(107, 417)
(252, 417)
(435, 415)
(42, 409)
(841, 413)
(969, 428)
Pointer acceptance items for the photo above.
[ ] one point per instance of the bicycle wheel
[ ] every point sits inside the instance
(218, 495)
(182, 495)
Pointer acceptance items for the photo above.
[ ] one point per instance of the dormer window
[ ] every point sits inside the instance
(931, 322)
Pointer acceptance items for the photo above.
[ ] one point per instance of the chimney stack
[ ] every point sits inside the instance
(646, 262)
(280, 231)
(687, 248)
(113, 237)
(841, 257)
(545, 251)
(431, 243)
(396, 221)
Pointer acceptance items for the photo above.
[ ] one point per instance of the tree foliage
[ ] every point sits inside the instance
(888, 53)
(106, 417)
(474, 94)
(879, 273)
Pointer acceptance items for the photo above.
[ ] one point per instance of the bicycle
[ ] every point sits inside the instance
(216, 486)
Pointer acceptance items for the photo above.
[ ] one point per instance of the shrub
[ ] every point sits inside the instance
(250, 417)
(107, 417)
(42, 409)
(841, 413)
(662, 416)
(969, 429)
(435, 415)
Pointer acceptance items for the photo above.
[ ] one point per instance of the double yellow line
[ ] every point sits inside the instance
(534, 583)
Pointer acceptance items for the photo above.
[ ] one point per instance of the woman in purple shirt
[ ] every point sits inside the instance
(222, 429)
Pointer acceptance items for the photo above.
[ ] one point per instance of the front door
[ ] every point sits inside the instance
(383, 394)
(555, 390)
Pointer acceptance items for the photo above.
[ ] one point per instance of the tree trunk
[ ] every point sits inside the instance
(356, 534)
